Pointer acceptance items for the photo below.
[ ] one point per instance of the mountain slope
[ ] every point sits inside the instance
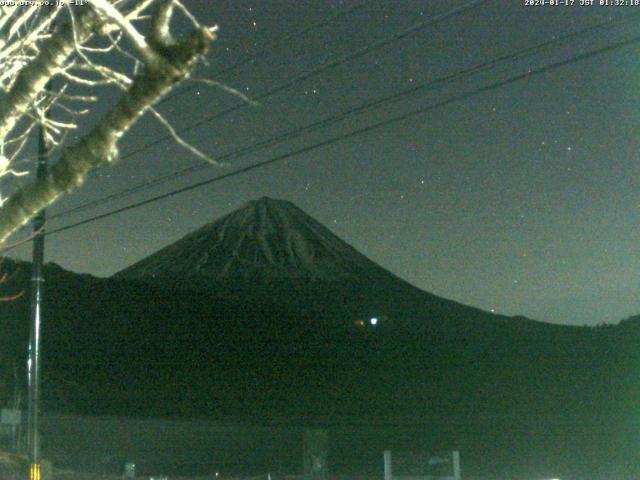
(265, 240)
(258, 316)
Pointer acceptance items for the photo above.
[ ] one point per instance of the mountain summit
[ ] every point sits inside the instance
(267, 239)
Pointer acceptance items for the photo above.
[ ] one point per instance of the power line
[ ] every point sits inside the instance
(321, 69)
(282, 40)
(356, 110)
(369, 128)
(327, 66)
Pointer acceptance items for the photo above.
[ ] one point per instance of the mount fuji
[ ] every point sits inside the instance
(270, 251)
(265, 240)
(265, 314)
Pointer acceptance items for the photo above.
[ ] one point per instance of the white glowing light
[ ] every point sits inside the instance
(374, 321)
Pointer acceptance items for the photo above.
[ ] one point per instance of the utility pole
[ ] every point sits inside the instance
(37, 281)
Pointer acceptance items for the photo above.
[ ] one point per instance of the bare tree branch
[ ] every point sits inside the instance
(32, 79)
(166, 66)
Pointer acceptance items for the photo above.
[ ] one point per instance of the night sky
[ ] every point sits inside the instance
(523, 199)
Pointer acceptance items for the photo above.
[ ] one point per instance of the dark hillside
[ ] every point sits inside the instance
(154, 341)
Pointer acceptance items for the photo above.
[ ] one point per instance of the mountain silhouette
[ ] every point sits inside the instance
(265, 314)
(265, 240)
(270, 251)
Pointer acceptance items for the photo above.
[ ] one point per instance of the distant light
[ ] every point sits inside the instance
(374, 321)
